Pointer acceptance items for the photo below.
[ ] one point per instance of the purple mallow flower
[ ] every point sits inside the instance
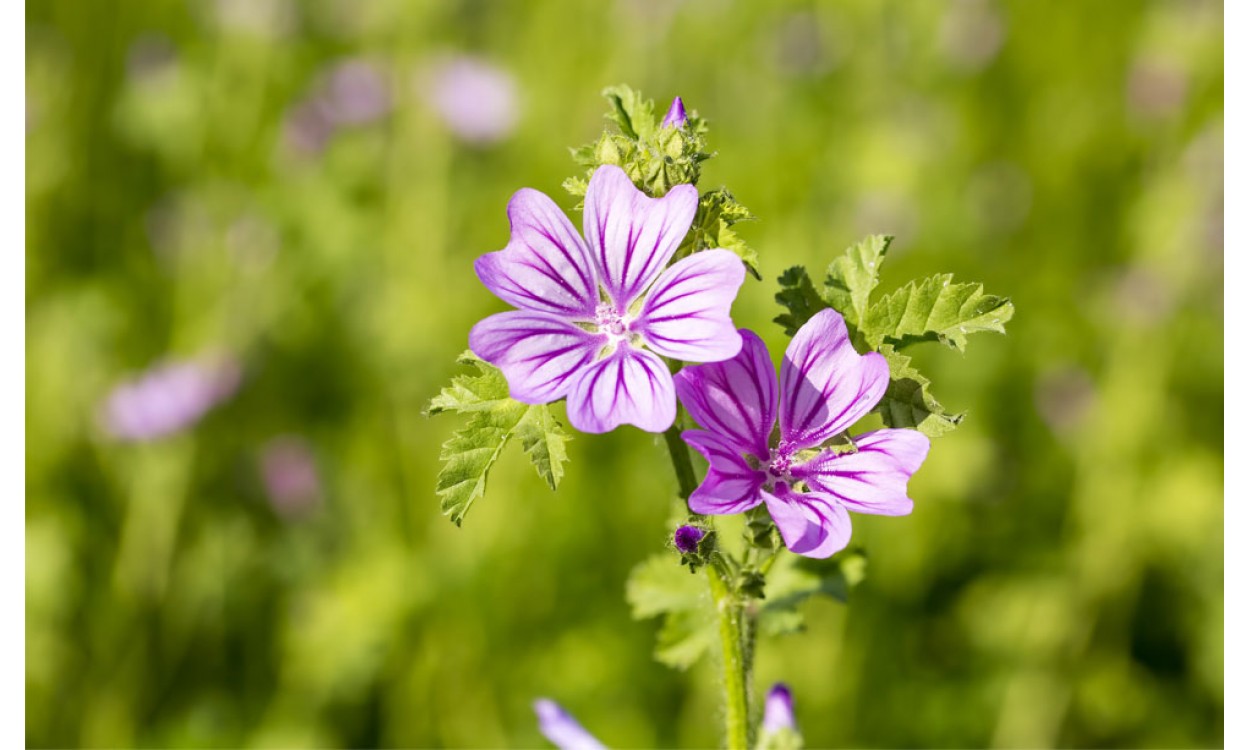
(562, 729)
(676, 116)
(590, 310)
(778, 709)
(687, 539)
(169, 398)
(826, 386)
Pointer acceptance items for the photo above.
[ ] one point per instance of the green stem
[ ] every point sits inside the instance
(677, 450)
(733, 658)
(737, 643)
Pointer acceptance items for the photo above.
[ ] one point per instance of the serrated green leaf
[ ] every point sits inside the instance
(543, 438)
(907, 402)
(659, 586)
(494, 419)
(467, 458)
(853, 276)
(935, 310)
(794, 579)
(799, 296)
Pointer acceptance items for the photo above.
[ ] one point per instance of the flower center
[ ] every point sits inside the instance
(780, 461)
(611, 322)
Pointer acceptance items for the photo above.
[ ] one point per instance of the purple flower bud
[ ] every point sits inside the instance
(676, 116)
(562, 729)
(687, 539)
(169, 398)
(778, 709)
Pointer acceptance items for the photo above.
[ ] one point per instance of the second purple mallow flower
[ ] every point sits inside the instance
(826, 386)
(595, 314)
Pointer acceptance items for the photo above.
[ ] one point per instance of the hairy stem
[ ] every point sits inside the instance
(734, 661)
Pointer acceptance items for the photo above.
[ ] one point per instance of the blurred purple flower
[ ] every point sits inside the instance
(676, 116)
(169, 398)
(778, 709)
(595, 314)
(350, 93)
(826, 387)
(687, 539)
(562, 729)
(289, 471)
(475, 99)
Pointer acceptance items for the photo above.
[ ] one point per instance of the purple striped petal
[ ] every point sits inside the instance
(731, 485)
(540, 354)
(545, 266)
(873, 479)
(629, 386)
(632, 236)
(812, 524)
(562, 729)
(737, 398)
(686, 315)
(826, 386)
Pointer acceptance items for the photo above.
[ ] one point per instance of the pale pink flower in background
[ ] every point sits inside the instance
(350, 93)
(169, 398)
(289, 471)
(475, 99)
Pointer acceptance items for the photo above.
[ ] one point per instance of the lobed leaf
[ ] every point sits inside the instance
(852, 277)
(495, 418)
(795, 579)
(657, 587)
(935, 310)
(799, 296)
(907, 401)
(633, 114)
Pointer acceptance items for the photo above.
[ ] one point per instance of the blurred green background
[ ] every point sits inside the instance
(204, 178)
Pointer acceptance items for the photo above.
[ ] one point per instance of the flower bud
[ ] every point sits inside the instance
(676, 116)
(687, 539)
(778, 709)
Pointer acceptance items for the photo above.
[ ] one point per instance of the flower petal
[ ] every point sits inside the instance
(731, 485)
(686, 315)
(545, 266)
(561, 729)
(811, 523)
(737, 398)
(539, 353)
(874, 478)
(826, 386)
(629, 386)
(631, 236)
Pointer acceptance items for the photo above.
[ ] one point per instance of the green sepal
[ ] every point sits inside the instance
(713, 227)
(494, 419)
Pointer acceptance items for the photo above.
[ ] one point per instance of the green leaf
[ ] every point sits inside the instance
(907, 401)
(853, 276)
(494, 419)
(543, 438)
(799, 296)
(935, 310)
(660, 586)
(633, 114)
(794, 579)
